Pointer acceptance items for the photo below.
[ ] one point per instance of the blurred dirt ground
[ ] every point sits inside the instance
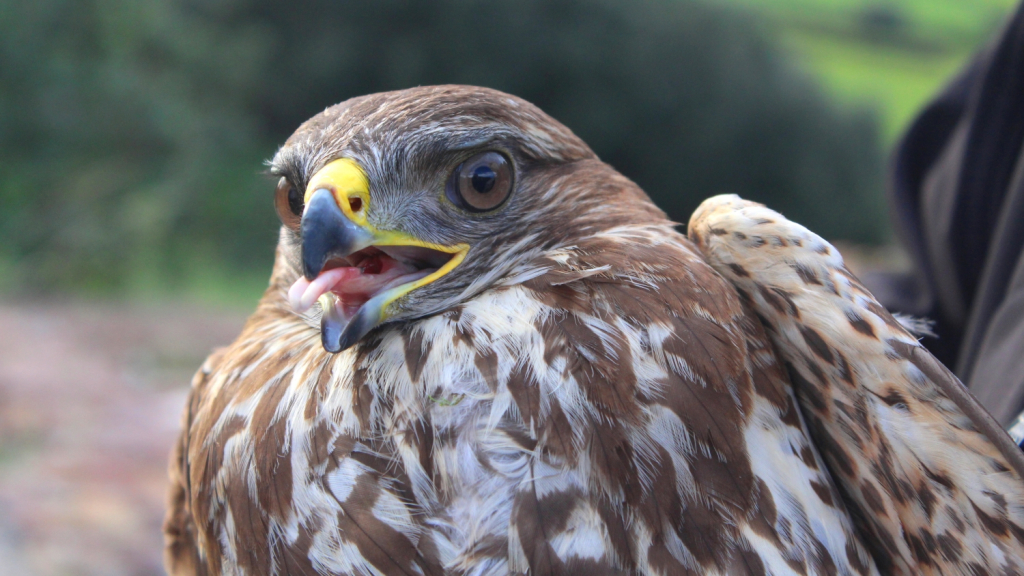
(90, 397)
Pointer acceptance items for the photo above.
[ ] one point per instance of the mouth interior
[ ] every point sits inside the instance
(365, 274)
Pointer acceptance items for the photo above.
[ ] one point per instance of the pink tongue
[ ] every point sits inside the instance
(352, 285)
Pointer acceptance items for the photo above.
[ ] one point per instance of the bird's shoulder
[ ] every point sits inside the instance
(653, 405)
(934, 484)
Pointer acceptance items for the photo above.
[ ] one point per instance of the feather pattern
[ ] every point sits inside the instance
(931, 480)
(619, 413)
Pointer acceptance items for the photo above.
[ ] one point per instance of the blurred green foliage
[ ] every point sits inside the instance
(891, 55)
(132, 132)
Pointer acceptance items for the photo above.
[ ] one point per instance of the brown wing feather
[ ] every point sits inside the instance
(694, 506)
(934, 484)
(181, 546)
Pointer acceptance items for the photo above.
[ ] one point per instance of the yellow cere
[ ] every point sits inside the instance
(346, 180)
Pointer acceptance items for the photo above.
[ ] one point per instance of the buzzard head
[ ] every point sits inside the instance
(400, 205)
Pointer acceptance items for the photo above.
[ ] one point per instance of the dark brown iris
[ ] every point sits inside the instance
(288, 202)
(481, 183)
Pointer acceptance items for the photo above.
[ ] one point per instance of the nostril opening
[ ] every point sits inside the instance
(355, 204)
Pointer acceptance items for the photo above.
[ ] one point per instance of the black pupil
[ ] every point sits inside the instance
(484, 179)
(294, 201)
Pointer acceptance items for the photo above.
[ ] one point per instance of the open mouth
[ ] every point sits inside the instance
(353, 269)
(362, 275)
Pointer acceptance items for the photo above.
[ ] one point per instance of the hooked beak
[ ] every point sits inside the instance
(352, 269)
(327, 233)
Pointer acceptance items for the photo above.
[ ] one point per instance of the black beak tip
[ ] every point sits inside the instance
(336, 335)
(332, 327)
(331, 342)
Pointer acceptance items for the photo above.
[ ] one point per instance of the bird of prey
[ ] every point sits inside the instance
(485, 352)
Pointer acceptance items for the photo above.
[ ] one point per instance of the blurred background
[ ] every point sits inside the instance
(137, 228)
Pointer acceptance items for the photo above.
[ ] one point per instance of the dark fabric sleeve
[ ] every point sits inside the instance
(997, 377)
(957, 199)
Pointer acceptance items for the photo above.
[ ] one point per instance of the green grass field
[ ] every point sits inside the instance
(890, 55)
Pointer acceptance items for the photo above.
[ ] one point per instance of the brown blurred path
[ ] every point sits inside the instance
(90, 396)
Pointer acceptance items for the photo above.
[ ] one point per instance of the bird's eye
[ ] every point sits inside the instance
(288, 201)
(481, 183)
